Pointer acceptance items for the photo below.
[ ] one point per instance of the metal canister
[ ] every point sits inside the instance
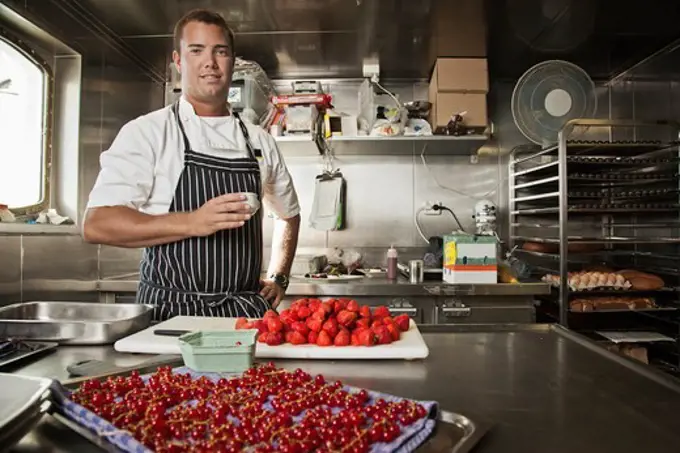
(416, 271)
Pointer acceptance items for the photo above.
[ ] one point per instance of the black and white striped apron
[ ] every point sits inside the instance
(216, 275)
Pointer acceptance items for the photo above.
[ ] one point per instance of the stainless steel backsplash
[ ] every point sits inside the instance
(383, 192)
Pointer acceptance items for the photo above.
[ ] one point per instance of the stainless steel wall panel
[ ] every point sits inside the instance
(622, 106)
(379, 202)
(59, 258)
(10, 267)
(74, 294)
(303, 171)
(675, 101)
(506, 133)
(458, 185)
(117, 262)
(652, 102)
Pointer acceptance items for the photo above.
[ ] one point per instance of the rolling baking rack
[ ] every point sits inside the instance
(614, 203)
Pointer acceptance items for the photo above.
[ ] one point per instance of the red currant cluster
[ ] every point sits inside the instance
(265, 410)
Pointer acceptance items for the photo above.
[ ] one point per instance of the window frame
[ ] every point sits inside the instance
(47, 117)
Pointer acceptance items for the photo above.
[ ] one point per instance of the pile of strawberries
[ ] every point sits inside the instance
(334, 322)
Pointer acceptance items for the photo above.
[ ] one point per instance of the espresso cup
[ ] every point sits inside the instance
(253, 201)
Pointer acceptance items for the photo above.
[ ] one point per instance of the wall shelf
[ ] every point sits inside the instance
(300, 146)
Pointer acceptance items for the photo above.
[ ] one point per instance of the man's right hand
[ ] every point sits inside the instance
(221, 213)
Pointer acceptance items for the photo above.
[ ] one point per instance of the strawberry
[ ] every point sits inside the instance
(296, 338)
(274, 324)
(314, 325)
(312, 337)
(274, 339)
(346, 318)
(260, 326)
(381, 312)
(330, 327)
(270, 314)
(387, 320)
(288, 316)
(403, 322)
(340, 305)
(314, 305)
(324, 339)
(353, 305)
(287, 336)
(327, 307)
(300, 327)
(262, 338)
(354, 340)
(376, 323)
(366, 337)
(364, 322)
(365, 311)
(394, 331)
(343, 338)
(241, 323)
(303, 312)
(382, 335)
(320, 314)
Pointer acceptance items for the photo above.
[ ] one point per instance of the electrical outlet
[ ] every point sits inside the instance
(428, 208)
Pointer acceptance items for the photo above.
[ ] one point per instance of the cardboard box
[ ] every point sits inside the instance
(459, 29)
(459, 85)
(446, 104)
(462, 75)
(470, 259)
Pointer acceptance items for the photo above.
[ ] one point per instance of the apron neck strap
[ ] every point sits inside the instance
(246, 135)
(175, 109)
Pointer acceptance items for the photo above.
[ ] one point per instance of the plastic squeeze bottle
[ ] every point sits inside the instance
(392, 258)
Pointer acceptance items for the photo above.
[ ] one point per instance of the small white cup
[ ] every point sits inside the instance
(253, 201)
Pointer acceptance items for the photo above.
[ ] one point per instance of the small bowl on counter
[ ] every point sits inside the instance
(223, 351)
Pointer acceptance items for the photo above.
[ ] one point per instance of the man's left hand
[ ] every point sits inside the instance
(272, 292)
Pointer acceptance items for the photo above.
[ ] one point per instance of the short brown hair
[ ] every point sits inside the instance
(207, 17)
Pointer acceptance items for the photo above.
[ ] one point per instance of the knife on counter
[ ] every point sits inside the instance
(170, 332)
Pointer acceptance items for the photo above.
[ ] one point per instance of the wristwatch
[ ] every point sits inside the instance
(281, 280)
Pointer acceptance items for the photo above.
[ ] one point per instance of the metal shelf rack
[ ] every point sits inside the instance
(602, 202)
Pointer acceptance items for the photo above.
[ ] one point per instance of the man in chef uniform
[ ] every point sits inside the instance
(173, 182)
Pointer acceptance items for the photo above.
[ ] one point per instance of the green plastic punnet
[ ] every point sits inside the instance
(224, 351)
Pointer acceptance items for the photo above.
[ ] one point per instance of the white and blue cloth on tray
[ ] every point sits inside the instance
(412, 436)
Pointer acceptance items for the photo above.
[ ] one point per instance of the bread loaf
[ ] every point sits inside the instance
(540, 247)
(611, 303)
(642, 281)
(634, 351)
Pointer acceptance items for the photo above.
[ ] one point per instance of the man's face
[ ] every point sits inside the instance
(205, 62)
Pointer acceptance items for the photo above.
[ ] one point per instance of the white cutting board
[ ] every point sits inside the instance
(410, 346)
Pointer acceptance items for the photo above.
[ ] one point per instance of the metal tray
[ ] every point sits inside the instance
(25, 350)
(454, 433)
(23, 407)
(73, 322)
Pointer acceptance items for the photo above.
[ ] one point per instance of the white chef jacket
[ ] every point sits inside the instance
(141, 168)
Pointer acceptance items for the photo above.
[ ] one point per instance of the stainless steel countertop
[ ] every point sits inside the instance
(542, 391)
(375, 287)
